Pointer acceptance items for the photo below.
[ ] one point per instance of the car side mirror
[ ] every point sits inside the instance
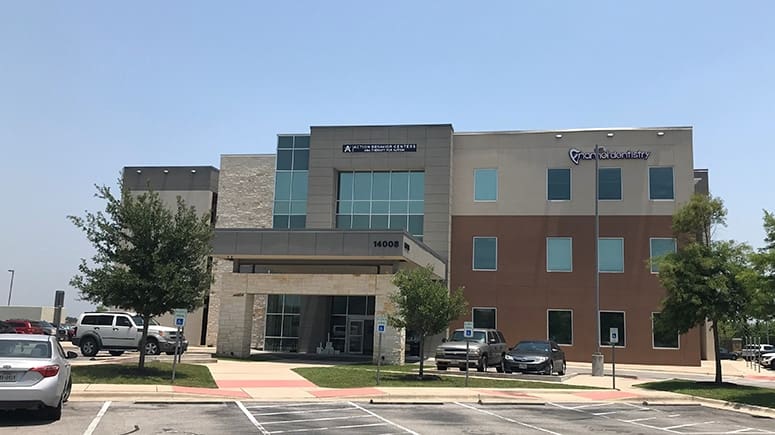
(71, 354)
(443, 340)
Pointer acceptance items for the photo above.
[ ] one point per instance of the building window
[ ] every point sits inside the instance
(609, 183)
(343, 307)
(283, 313)
(662, 339)
(485, 253)
(561, 326)
(291, 180)
(661, 183)
(485, 184)
(485, 318)
(608, 320)
(558, 184)
(382, 200)
(659, 247)
(611, 254)
(559, 254)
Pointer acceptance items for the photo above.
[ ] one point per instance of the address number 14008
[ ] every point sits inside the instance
(386, 244)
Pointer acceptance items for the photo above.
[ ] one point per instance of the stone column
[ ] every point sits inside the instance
(236, 325)
(393, 340)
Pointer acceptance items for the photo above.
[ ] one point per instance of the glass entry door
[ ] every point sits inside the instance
(355, 336)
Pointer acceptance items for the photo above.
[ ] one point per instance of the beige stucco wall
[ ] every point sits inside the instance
(522, 159)
(30, 313)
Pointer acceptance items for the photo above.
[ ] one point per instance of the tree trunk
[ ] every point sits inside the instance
(422, 355)
(716, 352)
(143, 337)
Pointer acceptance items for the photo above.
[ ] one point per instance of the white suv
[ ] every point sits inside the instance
(117, 332)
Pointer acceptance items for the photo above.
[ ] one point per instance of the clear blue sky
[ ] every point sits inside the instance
(89, 87)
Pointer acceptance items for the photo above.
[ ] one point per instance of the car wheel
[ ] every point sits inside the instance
(68, 388)
(500, 368)
(89, 347)
(482, 366)
(734, 357)
(440, 367)
(116, 352)
(549, 368)
(152, 347)
(561, 370)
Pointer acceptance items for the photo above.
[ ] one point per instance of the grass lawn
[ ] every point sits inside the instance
(354, 376)
(186, 375)
(726, 391)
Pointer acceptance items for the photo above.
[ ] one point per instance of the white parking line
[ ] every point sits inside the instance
(506, 418)
(289, 405)
(316, 429)
(636, 423)
(606, 413)
(384, 419)
(251, 418)
(96, 420)
(309, 411)
(688, 424)
(346, 417)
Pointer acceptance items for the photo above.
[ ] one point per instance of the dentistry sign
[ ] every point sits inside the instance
(576, 155)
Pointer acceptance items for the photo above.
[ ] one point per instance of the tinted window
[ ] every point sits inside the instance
(532, 346)
(662, 336)
(558, 184)
(485, 184)
(611, 254)
(89, 320)
(559, 255)
(610, 186)
(660, 247)
(24, 349)
(484, 318)
(661, 183)
(561, 326)
(123, 321)
(610, 320)
(458, 336)
(105, 320)
(485, 253)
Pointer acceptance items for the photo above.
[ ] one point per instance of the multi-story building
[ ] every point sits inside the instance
(308, 239)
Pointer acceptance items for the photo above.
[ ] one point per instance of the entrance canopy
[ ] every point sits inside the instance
(327, 246)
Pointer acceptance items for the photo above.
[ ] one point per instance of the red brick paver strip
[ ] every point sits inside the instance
(266, 384)
(508, 394)
(210, 391)
(761, 377)
(344, 392)
(606, 395)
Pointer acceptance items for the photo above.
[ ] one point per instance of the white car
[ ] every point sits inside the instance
(34, 374)
(118, 331)
(767, 359)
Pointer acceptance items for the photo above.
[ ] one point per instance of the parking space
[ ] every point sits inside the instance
(341, 417)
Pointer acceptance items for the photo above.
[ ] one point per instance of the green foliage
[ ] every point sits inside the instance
(696, 220)
(704, 279)
(762, 279)
(703, 282)
(149, 258)
(424, 305)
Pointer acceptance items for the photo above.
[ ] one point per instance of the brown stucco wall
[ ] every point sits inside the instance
(522, 290)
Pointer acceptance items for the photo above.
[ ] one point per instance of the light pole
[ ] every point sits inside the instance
(597, 357)
(10, 288)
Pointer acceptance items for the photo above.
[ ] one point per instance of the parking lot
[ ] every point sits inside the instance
(363, 418)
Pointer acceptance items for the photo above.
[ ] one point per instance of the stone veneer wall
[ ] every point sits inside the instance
(380, 286)
(245, 200)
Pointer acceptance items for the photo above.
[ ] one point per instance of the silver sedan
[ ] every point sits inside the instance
(34, 374)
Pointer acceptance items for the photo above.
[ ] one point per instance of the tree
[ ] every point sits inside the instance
(149, 258)
(704, 279)
(424, 305)
(762, 280)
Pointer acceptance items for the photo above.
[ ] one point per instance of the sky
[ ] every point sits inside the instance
(88, 87)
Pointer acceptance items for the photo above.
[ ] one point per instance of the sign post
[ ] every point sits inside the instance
(613, 339)
(180, 322)
(381, 324)
(468, 333)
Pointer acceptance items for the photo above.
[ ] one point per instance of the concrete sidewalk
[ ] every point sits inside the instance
(276, 381)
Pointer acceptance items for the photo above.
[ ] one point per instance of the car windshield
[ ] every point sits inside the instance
(24, 349)
(531, 346)
(478, 336)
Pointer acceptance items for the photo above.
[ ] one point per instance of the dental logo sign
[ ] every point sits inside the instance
(576, 155)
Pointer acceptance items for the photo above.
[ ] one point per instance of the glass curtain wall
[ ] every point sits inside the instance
(283, 313)
(290, 187)
(381, 200)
